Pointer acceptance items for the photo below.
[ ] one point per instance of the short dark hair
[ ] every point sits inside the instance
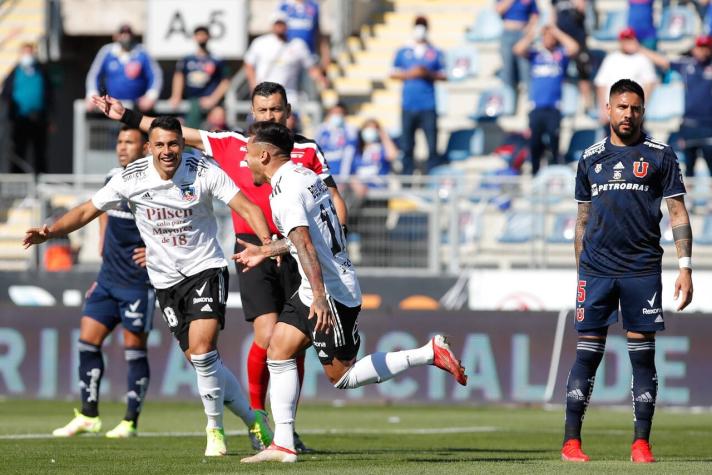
(627, 85)
(126, 128)
(266, 89)
(421, 20)
(274, 134)
(202, 28)
(166, 122)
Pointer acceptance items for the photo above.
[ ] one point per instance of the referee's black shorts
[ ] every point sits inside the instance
(266, 288)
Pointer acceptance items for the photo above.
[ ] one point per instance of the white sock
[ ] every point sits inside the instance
(379, 367)
(211, 386)
(235, 399)
(284, 394)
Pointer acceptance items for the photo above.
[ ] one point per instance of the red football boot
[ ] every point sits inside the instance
(640, 452)
(571, 452)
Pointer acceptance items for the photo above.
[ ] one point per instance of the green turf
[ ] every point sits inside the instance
(364, 440)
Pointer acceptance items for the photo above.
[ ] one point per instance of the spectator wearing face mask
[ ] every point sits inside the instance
(626, 63)
(200, 76)
(126, 71)
(27, 98)
(419, 65)
(374, 154)
(338, 141)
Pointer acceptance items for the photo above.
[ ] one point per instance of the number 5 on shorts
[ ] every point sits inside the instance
(169, 315)
(581, 291)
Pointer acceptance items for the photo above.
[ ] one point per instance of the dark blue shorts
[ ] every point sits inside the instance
(639, 299)
(130, 306)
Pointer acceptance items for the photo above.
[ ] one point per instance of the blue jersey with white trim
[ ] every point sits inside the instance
(625, 186)
(121, 237)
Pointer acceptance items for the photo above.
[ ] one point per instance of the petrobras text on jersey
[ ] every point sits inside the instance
(596, 189)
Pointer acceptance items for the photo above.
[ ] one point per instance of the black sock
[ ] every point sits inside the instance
(644, 388)
(589, 353)
(91, 369)
(138, 377)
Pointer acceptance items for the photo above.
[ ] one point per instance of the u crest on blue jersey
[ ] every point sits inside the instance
(640, 169)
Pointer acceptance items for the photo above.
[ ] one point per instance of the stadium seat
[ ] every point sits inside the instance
(705, 237)
(580, 141)
(563, 230)
(463, 144)
(569, 100)
(487, 27)
(667, 102)
(462, 63)
(521, 227)
(615, 21)
(666, 231)
(677, 23)
(494, 103)
(554, 183)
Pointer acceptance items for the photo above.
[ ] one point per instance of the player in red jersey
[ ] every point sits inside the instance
(263, 290)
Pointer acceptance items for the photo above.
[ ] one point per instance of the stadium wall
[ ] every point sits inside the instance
(519, 357)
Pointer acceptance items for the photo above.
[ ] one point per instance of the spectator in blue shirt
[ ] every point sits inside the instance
(303, 23)
(516, 15)
(696, 126)
(126, 70)
(640, 18)
(548, 70)
(338, 141)
(374, 154)
(27, 97)
(570, 17)
(200, 76)
(419, 65)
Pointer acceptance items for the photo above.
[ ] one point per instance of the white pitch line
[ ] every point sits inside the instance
(416, 431)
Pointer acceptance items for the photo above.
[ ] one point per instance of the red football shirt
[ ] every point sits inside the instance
(229, 149)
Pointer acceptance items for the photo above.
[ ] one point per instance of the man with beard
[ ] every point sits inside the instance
(619, 185)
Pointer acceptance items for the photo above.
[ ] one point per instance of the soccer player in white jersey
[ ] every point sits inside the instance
(171, 196)
(323, 312)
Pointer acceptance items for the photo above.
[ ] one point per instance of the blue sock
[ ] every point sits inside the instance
(579, 386)
(644, 387)
(91, 369)
(138, 377)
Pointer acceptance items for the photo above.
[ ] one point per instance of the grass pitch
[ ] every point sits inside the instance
(353, 440)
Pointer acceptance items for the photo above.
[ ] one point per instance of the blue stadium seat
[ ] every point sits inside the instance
(462, 63)
(487, 27)
(677, 23)
(463, 144)
(705, 237)
(521, 227)
(615, 21)
(667, 102)
(580, 141)
(564, 229)
(569, 100)
(494, 103)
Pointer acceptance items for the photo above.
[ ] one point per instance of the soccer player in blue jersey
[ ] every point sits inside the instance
(122, 294)
(620, 183)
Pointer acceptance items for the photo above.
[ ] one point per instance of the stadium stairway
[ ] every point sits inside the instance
(21, 21)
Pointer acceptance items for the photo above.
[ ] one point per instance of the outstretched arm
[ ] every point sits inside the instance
(252, 214)
(115, 110)
(584, 210)
(309, 260)
(252, 256)
(682, 234)
(74, 219)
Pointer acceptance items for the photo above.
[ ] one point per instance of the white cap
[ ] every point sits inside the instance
(278, 16)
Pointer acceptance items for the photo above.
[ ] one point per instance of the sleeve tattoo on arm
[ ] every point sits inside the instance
(584, 210)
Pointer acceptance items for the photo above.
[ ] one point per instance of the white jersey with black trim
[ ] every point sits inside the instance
(175, 217)
(300, 198)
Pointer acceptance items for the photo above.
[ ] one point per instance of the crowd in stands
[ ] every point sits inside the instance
(538, 40)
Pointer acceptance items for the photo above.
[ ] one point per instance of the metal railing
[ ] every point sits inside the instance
(430, 225)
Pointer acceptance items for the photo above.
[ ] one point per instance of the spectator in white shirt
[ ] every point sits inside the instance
(271, 57)
(628, 63)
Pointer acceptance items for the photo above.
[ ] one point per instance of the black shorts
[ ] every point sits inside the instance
(267, 287)
(200, 296)
(342, 342)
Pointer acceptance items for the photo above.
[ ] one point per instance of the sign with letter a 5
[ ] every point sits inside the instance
(170, 25)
